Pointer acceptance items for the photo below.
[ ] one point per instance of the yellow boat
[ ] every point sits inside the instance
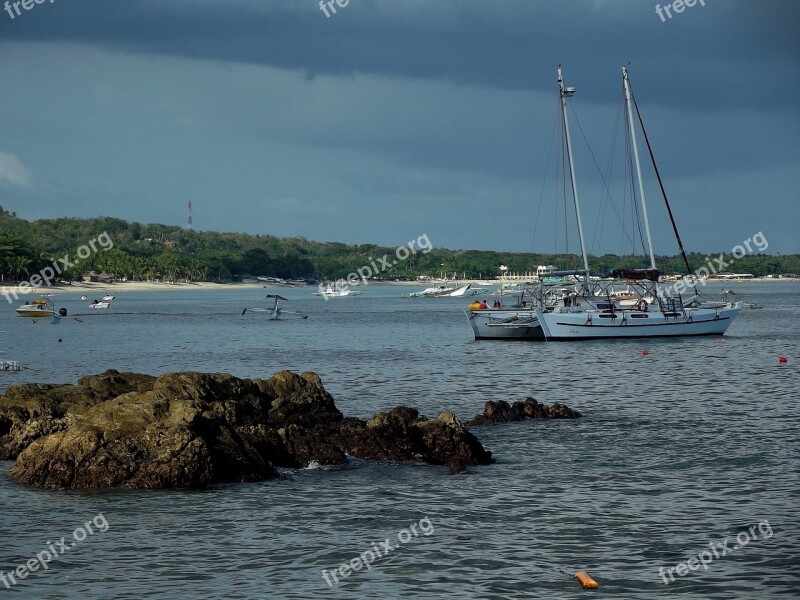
(37, 308)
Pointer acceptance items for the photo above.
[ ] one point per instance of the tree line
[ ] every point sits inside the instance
(155, 252)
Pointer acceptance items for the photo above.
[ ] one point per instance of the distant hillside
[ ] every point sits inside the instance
(170, 253)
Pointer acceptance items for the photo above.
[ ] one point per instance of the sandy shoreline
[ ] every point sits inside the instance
(118, 287)
(149, 286)
(99, 289)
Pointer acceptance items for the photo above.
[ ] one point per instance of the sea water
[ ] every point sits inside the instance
(684, 444)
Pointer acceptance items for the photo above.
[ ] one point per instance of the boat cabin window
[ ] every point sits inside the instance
(607, 316)
(638, 316)
(604, 306)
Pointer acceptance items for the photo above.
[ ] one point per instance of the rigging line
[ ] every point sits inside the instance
(605, 198)
(638, 220)
(628, 190)
(559, 185)
(544, 180)
(609, 170)
(661, 185)
(565, 167)
(604, 178)
(566, 224)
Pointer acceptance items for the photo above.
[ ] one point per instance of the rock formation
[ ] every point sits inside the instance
(503, 412)
(194, 429)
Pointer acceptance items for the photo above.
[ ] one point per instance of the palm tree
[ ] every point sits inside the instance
(20, 264)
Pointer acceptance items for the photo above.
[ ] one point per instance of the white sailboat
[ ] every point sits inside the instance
(596, 310)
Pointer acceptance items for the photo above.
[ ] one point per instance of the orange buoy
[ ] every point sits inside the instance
(587, 582)
(782, 359)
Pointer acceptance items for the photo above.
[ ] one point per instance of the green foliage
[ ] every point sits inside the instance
(170, 253)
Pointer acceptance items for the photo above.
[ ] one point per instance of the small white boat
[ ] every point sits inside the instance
(108, 298)
(331, 291)
(431, 292)
(442, 291)
(99, 304)
(84, 297)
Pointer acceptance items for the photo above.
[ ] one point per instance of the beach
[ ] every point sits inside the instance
(86, 288)
(11, 292)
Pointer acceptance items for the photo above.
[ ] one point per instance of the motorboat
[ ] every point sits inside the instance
(336, 291)
(442, 291)
(99, 304)
(37, 308)
(108, 298)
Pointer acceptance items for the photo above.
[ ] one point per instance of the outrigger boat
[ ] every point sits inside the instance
(274, 311)
(589, 309)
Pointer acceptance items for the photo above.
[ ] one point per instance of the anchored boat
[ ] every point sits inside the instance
(589, 309)
(40, 308)
(275, 312)
(336, 291)
(37, 308)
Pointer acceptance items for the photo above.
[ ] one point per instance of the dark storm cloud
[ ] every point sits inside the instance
(394, 116)
(511, 44)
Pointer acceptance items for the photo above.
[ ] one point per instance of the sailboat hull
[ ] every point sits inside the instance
(581, 325)
(493, 324)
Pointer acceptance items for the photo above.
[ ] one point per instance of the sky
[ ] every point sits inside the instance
(395, 118)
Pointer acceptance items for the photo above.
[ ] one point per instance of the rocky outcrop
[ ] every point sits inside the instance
(401, 434)
(30, 411)
(503, 412)
(194, 429)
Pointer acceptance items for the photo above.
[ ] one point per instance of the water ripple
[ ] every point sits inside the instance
(680, 448)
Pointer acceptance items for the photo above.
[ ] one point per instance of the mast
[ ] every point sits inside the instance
(568, 92)
(638, 166)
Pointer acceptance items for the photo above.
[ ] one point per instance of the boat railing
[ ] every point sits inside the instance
(669, 304)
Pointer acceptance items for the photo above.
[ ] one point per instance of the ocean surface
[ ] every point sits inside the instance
(680, 448)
